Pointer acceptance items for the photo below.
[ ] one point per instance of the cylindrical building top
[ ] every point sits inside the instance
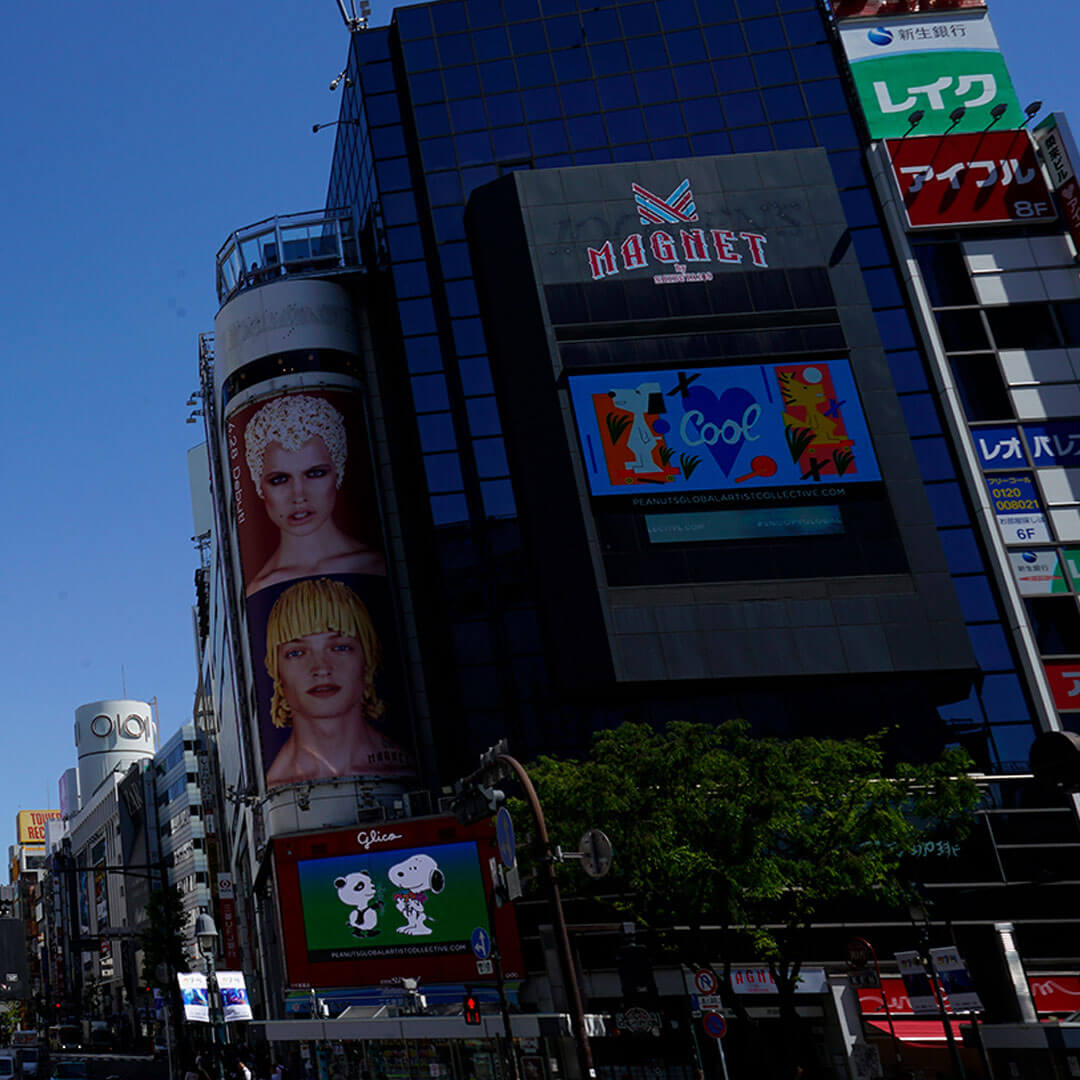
(110, 735)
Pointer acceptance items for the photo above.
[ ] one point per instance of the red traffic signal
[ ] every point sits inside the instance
(470, 1007)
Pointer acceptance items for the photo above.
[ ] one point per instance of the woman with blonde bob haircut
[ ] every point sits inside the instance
(322, 654)
(296, 447)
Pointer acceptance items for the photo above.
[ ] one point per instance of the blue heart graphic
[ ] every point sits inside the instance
(730, 405)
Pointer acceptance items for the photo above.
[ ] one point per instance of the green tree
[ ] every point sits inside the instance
(757, 837)
(162, 940)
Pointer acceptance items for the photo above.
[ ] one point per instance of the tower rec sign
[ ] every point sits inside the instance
(674, 249)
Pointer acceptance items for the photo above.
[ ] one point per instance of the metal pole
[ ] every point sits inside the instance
(950, 1039)
(884, 1001)
(585, 1058)
(214, 1003)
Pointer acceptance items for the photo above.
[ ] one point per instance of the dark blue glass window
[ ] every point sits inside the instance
(961, 551)
(665, 148)
(934, 460)
(484, 12)
(734, 74)
(417, 316)
(835, 132)
(718, 142)
(565, 32)
(491, 44)
(559, 7)
(825, 96)
(387, 142)
(377, 77)
(382, 109)
(859, 208)
(633, 152)
(473, 178)
(803, 27)
(461, 299)
(655, 86)
(894, 326)
(549, 138)
(1003, 700)
(947, 504)
(847, 167)
(977, 603)
(420, 55)
(686, 47)
(483, 416)
(399, 208)
(431, 120)
(591, 157)
(504, 109)
(443, 472)
(476, 379)
(907, 370)
(783, 103)
(455, 260)
(516, 10)
(677, 14)
(579, 98)
(429, 393)
(473, 149)
(742, 109)
(794, 135)
(586, 132)
(542, 104)
(498, 498)
(751, 140)
(762, 34)
(553, 161)
(393, 174)
(498, 75)
(467, 114)
(490, 457)
(600, 25)
(456, 49)
(773, 68)
(571, 64)
(468, 336)
(436, 432)
(405, 243)
(423, 354)
(882, 289)
(647, 52)
(534, 70)
(410, 279)
(617, 93)
(662, 121)
(461, 81)
(449, 509)
(625, 125)
(413, 22)
(695, 80)
(871, 249)
(815, 62)
(703, 115)
(638, 19)
(920, 416)
(725, 40)
(426, 87)
(448, 16)
(991, 648)
(750, 8)
(437, 153)
(511, 143)
(449, 223)
(527, 37)
(610, 59)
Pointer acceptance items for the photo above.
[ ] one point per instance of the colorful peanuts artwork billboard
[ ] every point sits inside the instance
(407, 898)
(788, 428)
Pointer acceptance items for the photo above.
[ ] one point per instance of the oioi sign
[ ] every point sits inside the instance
(934, 65)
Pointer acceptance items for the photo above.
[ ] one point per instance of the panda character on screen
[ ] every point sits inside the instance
(357, 891)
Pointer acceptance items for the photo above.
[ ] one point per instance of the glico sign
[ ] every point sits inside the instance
(673, 246)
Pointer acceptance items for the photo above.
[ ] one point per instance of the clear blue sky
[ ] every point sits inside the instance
(137, 137)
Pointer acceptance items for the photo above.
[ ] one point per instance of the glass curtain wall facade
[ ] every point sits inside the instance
(452, 95)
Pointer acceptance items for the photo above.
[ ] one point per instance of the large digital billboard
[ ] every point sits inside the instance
(942, 67)
(850, 9)
(989, 178)
(716, 436)
(407, 899)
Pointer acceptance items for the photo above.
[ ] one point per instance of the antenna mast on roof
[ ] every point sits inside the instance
(355, 21)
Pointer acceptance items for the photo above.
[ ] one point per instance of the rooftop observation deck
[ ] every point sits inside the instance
(312, 244)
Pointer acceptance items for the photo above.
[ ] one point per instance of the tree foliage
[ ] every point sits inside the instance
(758, 837)
(162, 940)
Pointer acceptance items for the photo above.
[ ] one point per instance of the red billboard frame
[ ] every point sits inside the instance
(979, 178)
(431, 963)
(876, 9)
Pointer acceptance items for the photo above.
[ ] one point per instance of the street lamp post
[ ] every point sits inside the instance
(206, 936)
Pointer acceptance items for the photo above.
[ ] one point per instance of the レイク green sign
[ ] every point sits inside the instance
(932, 65)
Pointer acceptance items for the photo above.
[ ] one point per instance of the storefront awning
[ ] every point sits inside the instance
(917, 1032)
(523, 1025)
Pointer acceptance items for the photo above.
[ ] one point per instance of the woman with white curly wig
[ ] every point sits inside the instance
(296, 449)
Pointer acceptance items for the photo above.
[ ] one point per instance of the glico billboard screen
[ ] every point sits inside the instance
(722, 436)
(405, 899)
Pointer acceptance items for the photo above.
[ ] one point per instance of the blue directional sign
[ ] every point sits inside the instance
(481, 943)
(504, 834)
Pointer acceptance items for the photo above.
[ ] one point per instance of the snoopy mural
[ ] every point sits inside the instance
(357, 891)
(415, 878)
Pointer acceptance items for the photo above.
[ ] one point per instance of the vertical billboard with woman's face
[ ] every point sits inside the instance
(314, 571)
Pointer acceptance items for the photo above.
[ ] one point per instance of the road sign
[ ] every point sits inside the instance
(596, 853)
(865, 980)
(484, 967)
(481, 943)
(714, 1025)
(858, 954)
(504, 834)
(706, 981)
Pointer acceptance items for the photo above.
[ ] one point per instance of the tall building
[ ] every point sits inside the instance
(670, 342)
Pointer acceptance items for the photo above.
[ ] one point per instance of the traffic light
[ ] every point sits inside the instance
(470, 1007)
